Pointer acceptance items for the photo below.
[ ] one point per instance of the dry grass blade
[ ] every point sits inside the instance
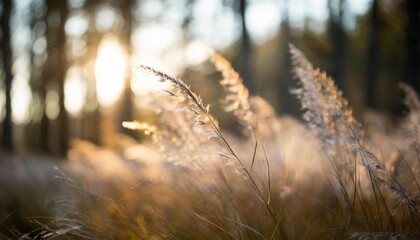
(215, 225)
(267, 162)
(254, 154)
(245, 226)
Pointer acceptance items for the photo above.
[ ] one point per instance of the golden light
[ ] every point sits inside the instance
(110, 70)
(74, 91)
(52, 107)
(197, 52)
(154, 44)
(21, 99)
(143, 85)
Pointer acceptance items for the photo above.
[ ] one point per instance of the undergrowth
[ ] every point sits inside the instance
(329, 179)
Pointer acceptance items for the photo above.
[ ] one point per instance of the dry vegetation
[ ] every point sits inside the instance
(327, 179)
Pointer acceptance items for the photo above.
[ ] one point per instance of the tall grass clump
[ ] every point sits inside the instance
(281, 179)
(207, 125)
(386, 208)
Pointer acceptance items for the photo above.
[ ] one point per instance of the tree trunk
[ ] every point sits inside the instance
(34, 129)
(92, 116)
(245, 54)
(338, 40)
(373, 59)
(127, 97)
(284, 75)
(413, 44)
(56, 69)
(7, 142)
(61, 74)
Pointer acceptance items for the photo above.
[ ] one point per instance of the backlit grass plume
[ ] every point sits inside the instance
(202, 118)
(251, 112)
(322, 101)
(411, 99)
(237, 95)
(412, 125)
(183, 93)
(192, 103)
(329, 116)
(176, 186)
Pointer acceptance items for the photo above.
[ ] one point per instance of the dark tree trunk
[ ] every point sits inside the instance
(45, 81)
(56, 67)
(90, 126)
(90, 122)
(338, 40)
(7, 142)
(245, 54)
(61, 73)
(127, 98)
(284, 70)
(34, 131)
(373, 50)
(413, 44)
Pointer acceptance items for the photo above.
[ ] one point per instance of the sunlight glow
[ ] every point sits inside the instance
(52, 107)
(110, 71)
(21, 99)
(142, 85)
(76, 25)
(197, 52)
(267, 10)
(214, 23)
(157, 46)
(75, 91)
(107, 18)
(359, 7)
(155, 37)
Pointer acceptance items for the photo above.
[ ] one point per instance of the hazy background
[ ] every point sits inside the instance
(65, 65)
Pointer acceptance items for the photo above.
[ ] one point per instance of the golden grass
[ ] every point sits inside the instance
(196, 181)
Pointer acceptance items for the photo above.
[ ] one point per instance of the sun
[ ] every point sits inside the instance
(110, 71)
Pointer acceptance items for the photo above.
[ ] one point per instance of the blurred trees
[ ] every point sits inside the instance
(363, 55)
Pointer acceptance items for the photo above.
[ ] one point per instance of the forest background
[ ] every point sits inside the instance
(65, 65)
